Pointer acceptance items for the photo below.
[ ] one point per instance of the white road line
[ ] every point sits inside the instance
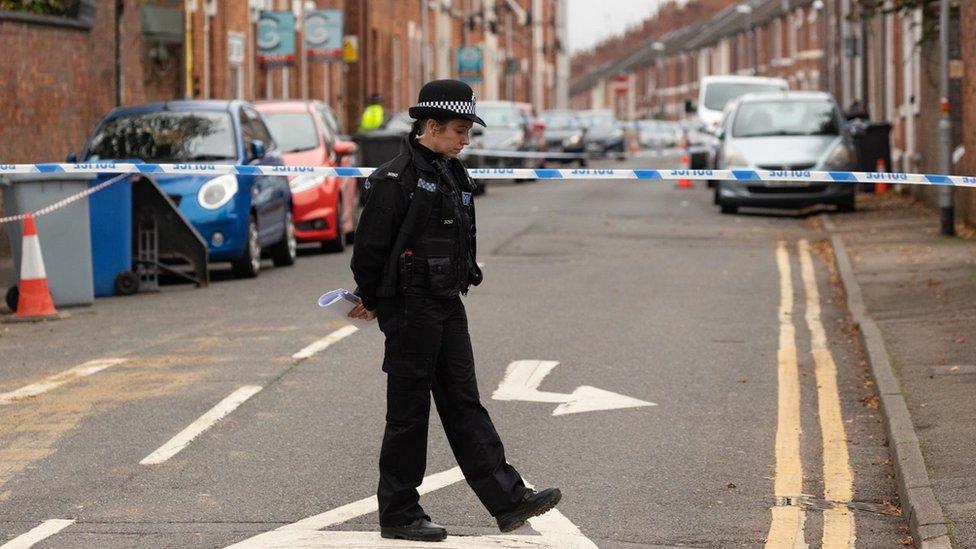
(556, 531)
(46, 529)
(369, 505)
(205, 421)
(57, 380)
(839, 530)
(325, 342)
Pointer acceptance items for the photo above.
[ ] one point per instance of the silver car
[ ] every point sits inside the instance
(784, 131)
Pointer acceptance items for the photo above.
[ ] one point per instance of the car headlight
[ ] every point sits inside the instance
(841, 158)
(573, 139)
(217, 192)
(305, 182)
(734, 158)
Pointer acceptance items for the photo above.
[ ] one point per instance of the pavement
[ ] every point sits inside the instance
(764, 429)
(915, 290)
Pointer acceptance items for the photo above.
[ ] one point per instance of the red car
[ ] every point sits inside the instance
(324, 207)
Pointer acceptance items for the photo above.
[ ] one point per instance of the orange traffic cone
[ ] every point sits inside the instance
(633, 146)
(880, 188)
(35, 301)
(686, 164)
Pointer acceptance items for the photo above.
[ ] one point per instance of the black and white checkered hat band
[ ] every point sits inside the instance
(460, 107)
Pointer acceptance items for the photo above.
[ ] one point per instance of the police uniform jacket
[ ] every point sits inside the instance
(416, 234)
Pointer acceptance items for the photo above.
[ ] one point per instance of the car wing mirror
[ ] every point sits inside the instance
(72, 158)
(345, 148)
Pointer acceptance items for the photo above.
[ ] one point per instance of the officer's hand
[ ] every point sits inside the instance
(361, 313)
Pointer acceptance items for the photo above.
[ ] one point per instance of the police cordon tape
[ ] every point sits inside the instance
(740, 175)
(648, 174)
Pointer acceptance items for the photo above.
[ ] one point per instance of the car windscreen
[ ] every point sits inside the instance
(293, 131)
(652, 126)
(168, 136)
(720, 93)
(561, 121)
(771, 118)
(600, 121)
(500, 117)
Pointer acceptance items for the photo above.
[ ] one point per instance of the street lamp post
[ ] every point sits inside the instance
(946, 199)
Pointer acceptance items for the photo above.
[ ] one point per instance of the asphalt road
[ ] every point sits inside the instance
(636, 288)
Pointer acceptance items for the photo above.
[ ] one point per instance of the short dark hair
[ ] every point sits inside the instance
(420, 123)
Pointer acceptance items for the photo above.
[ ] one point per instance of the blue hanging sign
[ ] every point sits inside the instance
(469, 64)
(323, 35)
(276, 38)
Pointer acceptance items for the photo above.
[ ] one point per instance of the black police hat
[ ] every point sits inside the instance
(446, 98)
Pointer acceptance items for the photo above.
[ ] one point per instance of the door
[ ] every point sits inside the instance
(270, 194)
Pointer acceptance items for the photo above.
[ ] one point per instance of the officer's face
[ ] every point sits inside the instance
(450, 138)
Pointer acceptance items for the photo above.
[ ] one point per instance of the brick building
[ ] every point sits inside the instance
(881, 61)
(63, 72)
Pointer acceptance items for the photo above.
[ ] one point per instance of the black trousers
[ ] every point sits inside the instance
(428, 351)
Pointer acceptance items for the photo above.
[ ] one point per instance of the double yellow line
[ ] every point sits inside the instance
(788, 517)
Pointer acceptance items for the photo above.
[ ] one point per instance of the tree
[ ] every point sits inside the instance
(869, 9)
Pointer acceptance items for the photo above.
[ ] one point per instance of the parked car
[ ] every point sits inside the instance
(331, 119)
(508, 129)
(604, 134)
(564, 133)
(240, 217)
(714, 92)
(324, 207)
(657, 134)
(785, 131)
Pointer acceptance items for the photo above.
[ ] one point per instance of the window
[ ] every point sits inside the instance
(66, 13)
(293, 131)
(252, 128)
(777, 118)
(170, 136)
(777, 36)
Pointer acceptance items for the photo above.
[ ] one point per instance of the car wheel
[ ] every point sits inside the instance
(338, 244)
(12, 297)
(716, 196)
(249, 265)
(480, 188)
(848, 204)
(283, 253)
(728, 208)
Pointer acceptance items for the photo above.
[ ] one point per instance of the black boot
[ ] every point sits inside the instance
(418, 530)
(533, 504)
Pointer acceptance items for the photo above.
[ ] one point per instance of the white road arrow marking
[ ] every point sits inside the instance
(556, 531)
(522, 380)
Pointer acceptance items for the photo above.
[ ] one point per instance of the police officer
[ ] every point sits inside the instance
(373, 114)
(413, 259)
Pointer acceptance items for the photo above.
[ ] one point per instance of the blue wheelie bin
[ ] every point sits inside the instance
(110, 211)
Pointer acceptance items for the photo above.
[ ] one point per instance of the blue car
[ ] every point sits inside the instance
(240, 217)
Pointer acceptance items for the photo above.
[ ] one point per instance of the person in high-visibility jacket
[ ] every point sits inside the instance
(372, 115)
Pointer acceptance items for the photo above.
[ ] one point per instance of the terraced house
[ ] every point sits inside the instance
(885, 62)
(70, 61)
